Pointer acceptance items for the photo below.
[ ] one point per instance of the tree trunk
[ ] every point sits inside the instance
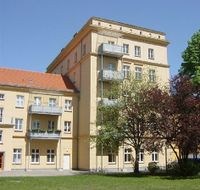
(136, 165)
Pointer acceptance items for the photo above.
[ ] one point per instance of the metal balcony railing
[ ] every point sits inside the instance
(40, 134)
(109, 102)
(108, 75)
(45, 109)
(112, 50)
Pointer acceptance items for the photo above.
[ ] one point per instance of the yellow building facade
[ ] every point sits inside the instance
(102, 51)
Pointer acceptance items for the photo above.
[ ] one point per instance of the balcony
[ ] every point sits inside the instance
(109, 102)
(109, 75)
(46, 110)
(111, 50)
(6, 120)
(46, 135)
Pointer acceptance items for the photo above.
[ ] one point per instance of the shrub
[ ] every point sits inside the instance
(153, 168)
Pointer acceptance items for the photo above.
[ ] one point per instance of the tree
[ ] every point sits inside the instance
(191, 58)
(176, 117)
(125, 122)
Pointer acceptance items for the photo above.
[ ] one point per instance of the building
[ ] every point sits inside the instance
(102, 51)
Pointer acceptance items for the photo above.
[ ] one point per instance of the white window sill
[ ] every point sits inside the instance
(141, 162)
(50, 163)
(17, 130)
(127, 162)
(68, 110)
(155, 161)
(20, 107)
(35, 163)
(111, 163)
(16, 163)
(67, 133)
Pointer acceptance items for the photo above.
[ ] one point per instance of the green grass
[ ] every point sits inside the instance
(99, 182)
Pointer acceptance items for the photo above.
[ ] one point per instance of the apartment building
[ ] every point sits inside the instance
(103, 51)
(38, 121)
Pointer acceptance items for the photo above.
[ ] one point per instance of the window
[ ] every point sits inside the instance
(68, 105)
(36, 124)
(1, 134)
(151, 53)
(126, 71)
(20, 101)
(1, 114)
(111, 67)
(17, 155)
(154, 156)
(52, 102)
(138, 73)
(51, 125)
(35, 156)
(84, 49)
(2, 96)
(67, 126)
(152, 75)
(18, 124)
(141, 156)
(137, 51)
(125, 48)
(127, 155)
(37, 101)
(111, 157)
(111, 42)
(50, 156)
(75, 57)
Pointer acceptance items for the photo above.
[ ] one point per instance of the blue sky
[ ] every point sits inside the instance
(32, 32)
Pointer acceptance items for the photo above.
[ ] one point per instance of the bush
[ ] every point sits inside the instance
(153, 168)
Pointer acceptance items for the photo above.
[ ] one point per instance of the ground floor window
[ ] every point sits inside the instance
(141, 155)
(1, 132)
(111, 157)
(17, 155)
(50, 156)
(154, 156)
(35, 156)
(127, 155)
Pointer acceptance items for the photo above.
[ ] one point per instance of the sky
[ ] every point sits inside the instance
(32, 32)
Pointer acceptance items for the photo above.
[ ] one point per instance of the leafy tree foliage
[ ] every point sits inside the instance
(191, 57)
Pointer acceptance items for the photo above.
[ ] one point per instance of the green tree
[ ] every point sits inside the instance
(191, 58)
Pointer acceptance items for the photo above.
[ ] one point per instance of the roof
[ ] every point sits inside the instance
(35, 80)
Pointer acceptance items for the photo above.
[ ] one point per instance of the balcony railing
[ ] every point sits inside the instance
(109, 102)
(112, 50)
(6, 120)
(108, 75)
(48, 110)
(46, 135)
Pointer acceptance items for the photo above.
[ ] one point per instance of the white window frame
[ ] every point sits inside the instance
(154, 156)
(1, 115)
(150, 53)
(51, 156)
(138, 73)
(127, 155)
(126, 48)
(67, 126)
(1, 136)
(18, 124)
(111, 157)
(37, 100)
(152, 75)
(17, 156)
(35, 124)
(2, 96)
(20, 101)
(52, 102)
(126, 71)
(68, 105)
(141, 156)
(35, 156)
(51, 125)
(137, 50)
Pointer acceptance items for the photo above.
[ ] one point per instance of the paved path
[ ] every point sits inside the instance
(16, 173)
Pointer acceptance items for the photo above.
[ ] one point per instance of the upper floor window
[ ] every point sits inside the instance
(51, 125)
(111, 157)
(17, 155)
(138, 73)
(154, 156)
(151, 53)
(2, 96)
(68, 105)
(36, 124)
(126, 70)
(84, 49)
(67, 126)
(141, 155)
(52, 102)
(111, 67)
(137, 51)
(127, 155)
(75, 57)
(50, 156)
(20, 101)
(152, 75)
(111, 42)
(126, 48)
(1, 135)
(37, 101)
(1, 114)
(35, 156)
(18, 124)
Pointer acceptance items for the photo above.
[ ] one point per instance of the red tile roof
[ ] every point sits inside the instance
(35, 80)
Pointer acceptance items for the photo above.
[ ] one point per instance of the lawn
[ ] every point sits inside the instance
(98, 182)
